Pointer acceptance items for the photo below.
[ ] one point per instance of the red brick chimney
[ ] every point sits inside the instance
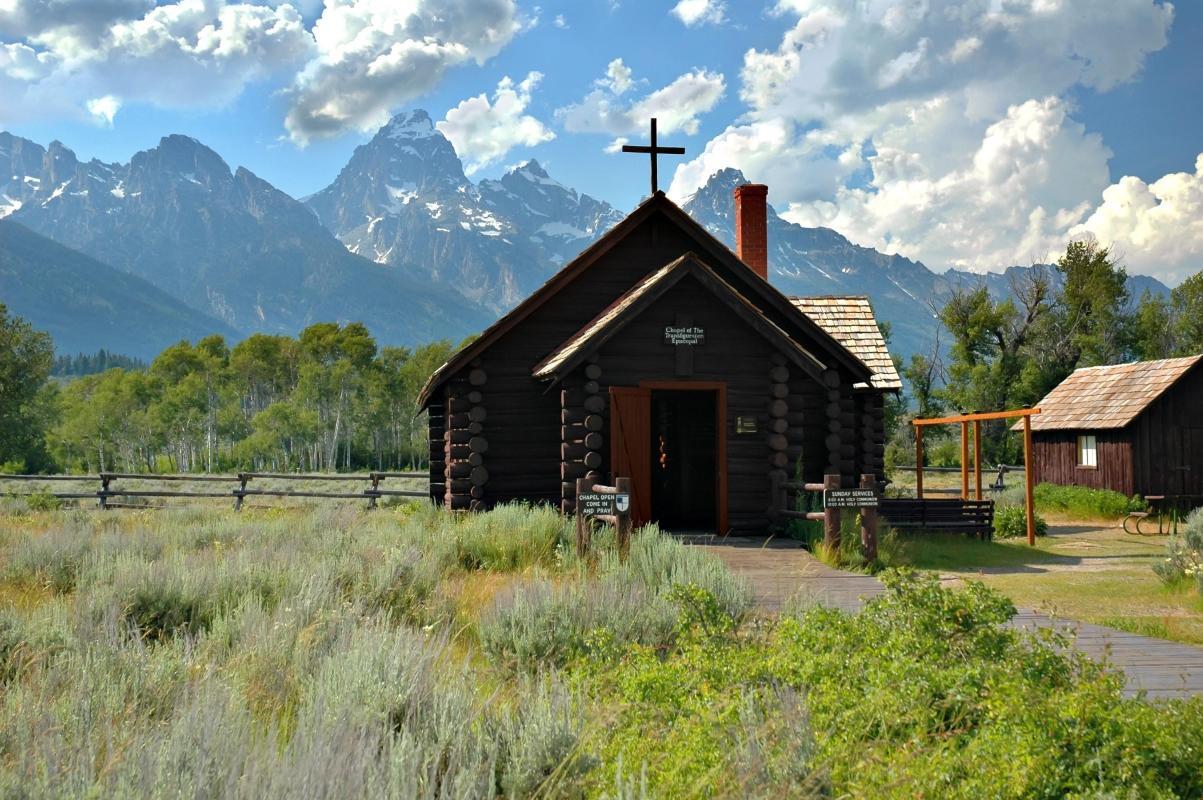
(751, 227)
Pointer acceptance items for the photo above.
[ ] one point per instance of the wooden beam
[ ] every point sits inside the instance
(919, 463)
(984, 416)
(1027, 478)
(964, 460)
(977, 457)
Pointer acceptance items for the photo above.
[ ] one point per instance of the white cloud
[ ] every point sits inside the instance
(971, 155)
(484, 132)
(618, 77)
(560, 22)
(700, 12)
(374, 55)
(1157, 227)
(183, 54)
(1030, 179)
(676, 106)
(104, 109)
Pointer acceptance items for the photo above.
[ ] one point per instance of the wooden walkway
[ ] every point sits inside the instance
(782, 572)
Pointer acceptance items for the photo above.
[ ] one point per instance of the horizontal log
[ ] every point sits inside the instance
(459, 452)
(833, 411)
(593, 372)
(595, 404)
(479, 476)
(779, 374)
(572, 398)
(478, 414)
(777, 442)
(592, 387)
(778, 460)
(459, 502)
(834, 426)
(572, 451)
(460, 420)
(797, 419)
(776, 358)
(779, 390)
(475, 428)
(779, 425)
(572, 416)
(478, 377)
(595, 422)
(458, 404)
(475, 397)
(832, 442)
(593, 459)
(831, 378)
(778, 408)
(572, 433)
(477, 492)
(570, 471)
(460, 485)
(459, 470)
(457, 436)
(479, 444)
(594, 441)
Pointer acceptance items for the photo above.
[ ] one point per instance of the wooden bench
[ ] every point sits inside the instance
(955, 515)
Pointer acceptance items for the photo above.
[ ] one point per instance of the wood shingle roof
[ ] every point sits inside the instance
(850, 321)
(1108, 397)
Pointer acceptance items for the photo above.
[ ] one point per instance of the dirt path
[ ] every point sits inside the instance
(781, 571)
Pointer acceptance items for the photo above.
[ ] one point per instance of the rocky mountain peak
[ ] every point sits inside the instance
(415, 124)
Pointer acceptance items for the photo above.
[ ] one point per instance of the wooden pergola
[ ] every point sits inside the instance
(977, 419)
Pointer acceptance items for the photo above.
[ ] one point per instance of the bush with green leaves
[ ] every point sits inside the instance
(1011, 522)
(1085, 503)
(925, 693)
(1184, 553)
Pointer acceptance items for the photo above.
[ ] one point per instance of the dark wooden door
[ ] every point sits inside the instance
(630, 446)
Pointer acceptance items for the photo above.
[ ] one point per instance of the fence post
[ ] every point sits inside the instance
(238, 493)
(831, 516)
(375, 479)
(623, 522)
(102, 498)
(868, 521)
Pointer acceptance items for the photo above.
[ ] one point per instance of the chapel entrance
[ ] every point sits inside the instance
(669, 439)
(684, 454)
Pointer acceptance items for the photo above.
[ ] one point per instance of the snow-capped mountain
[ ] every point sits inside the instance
(403, 198)
(226, 243)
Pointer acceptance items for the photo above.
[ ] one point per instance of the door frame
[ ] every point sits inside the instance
(720, 406)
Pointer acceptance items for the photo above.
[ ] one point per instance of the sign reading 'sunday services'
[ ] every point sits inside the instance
(684, 335)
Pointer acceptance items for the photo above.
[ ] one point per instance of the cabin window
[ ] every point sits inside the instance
(1088, 454)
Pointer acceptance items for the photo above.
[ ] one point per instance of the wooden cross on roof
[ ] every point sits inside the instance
(654, 150)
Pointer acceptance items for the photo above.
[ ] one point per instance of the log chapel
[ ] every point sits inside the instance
(661, 355)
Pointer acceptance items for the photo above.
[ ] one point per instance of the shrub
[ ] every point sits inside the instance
(1011, 522)
(1079, 501)
(43, 501)
(1184, 553)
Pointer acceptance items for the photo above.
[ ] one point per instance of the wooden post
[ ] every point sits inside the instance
(831, 516)
(1027, 478)
(623, 528)
(919, 462)
(239, 493)
(964, 460)
(103, 496)
(868, 521)
(977, 456)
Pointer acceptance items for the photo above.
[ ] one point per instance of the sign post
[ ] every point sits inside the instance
(610, 504)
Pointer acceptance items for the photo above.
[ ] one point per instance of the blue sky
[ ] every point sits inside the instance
(976, 134)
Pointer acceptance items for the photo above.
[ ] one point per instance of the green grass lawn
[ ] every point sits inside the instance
(1084, 571)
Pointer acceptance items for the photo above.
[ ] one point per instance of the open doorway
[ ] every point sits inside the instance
(684, 459)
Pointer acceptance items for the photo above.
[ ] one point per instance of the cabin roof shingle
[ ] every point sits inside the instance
(850, 321)
(1108, 397)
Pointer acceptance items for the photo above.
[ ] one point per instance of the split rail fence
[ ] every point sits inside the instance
(111, 493)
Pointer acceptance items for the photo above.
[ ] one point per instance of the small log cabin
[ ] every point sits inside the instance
(1132, 428)
(661, 355)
